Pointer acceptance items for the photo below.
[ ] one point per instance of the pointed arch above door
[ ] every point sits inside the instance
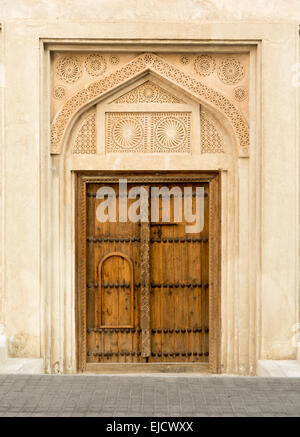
(134, 69)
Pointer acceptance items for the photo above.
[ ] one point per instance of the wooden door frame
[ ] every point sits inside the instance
(214, 180)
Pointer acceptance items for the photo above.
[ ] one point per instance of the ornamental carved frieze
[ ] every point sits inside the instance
(148, 132)
(219, 81)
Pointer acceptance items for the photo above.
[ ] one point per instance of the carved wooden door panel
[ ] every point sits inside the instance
(113, 285)
(147, 284)
(179, 287)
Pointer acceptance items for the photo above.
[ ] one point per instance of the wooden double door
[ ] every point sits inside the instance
(146, 291)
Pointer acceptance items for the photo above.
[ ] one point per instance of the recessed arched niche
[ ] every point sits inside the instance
(149, 112)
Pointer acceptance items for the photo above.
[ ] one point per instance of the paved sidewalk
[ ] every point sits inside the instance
(145, 395)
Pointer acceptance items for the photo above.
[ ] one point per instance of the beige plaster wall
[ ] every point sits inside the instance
(275, 274)
(21, 193)
(170, 10)
(278, 196)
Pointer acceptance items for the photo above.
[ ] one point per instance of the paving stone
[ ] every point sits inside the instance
(150, 396)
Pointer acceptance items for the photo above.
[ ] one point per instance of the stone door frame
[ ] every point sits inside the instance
(240, 214)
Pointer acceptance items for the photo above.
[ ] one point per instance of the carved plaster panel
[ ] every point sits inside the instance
(148, 132)
(221, 80)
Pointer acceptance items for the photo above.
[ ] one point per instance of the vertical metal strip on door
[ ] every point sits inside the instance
(145, 279)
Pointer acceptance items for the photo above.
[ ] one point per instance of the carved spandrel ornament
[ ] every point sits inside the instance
(71, 72)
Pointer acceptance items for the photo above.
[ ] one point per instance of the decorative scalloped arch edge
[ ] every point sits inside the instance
(153, 63)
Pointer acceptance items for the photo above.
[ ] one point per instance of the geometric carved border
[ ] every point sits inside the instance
(143, 63)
